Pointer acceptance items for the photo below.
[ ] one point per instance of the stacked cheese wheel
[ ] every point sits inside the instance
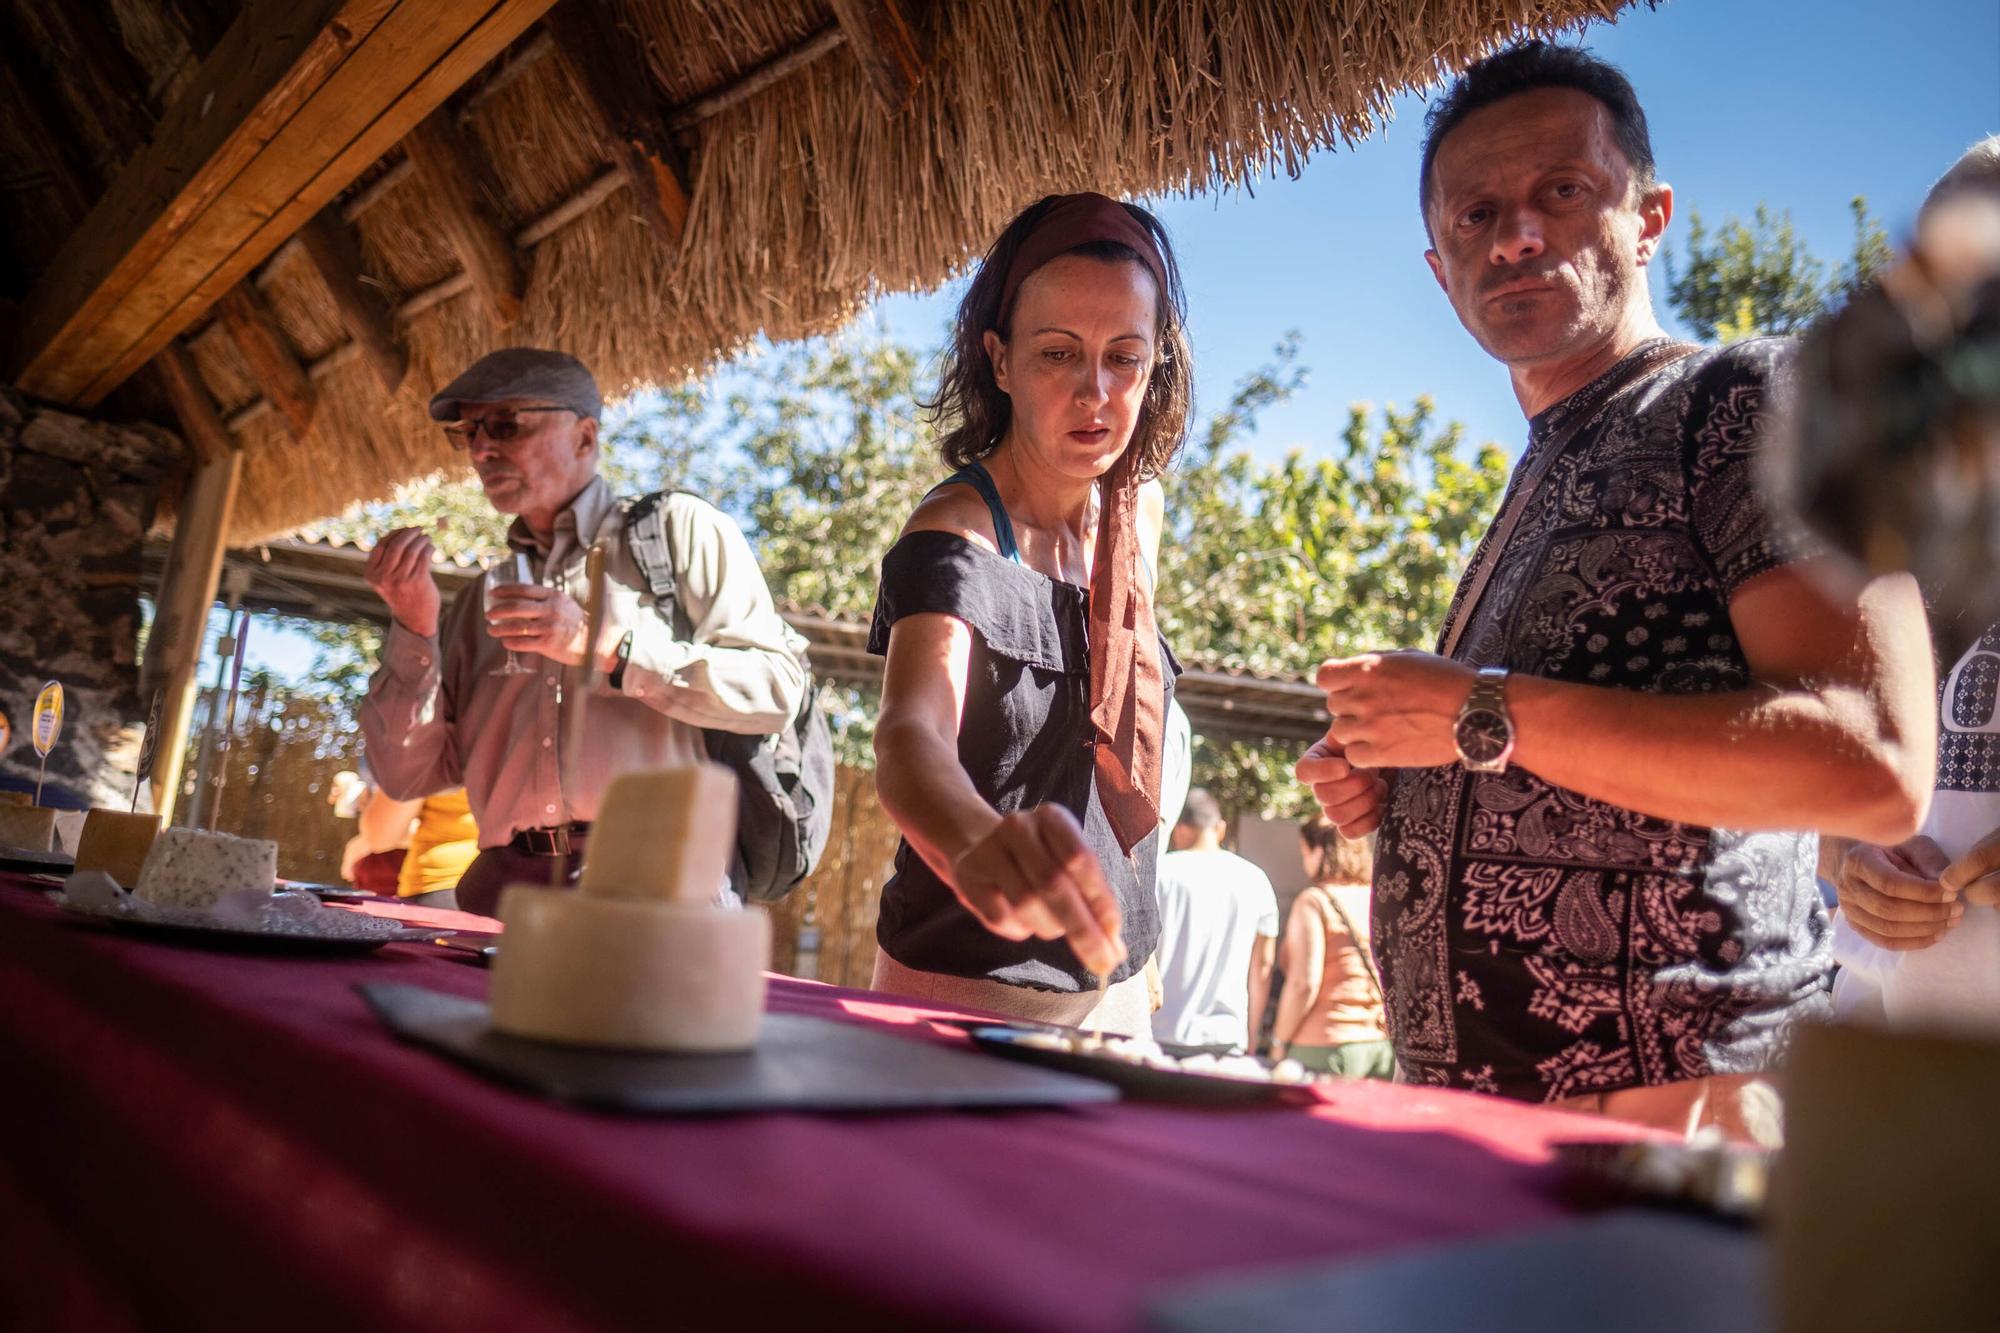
(640, 957)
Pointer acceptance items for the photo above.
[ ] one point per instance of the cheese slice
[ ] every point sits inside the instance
(116, 842)
(27, 826)
(629, 973)
(664, 835)
(190, 868)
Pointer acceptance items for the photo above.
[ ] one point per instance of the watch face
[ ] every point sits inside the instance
(1482, 735)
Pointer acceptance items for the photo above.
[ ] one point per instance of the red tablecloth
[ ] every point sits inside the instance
(216, 1140)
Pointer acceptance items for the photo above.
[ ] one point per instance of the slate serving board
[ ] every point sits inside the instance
(1631, 1270)
(800, 1064)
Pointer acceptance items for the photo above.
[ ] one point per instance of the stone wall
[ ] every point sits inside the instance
(76, 498)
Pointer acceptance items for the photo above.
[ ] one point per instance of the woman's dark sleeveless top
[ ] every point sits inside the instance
(1025, 740)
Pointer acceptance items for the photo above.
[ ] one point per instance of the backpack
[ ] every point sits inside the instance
(785, 779)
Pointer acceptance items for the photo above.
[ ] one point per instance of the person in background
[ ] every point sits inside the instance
(1330, 1006)
(1594, 885)
(440, 712)
(1918, 934)
(1218, 935)
(373, 858)
(1025, 695)
(443, 845)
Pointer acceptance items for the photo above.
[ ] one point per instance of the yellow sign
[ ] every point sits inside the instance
(6, 733)
(48, 717)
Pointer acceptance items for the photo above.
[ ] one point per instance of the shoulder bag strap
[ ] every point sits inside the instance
(1647, 364)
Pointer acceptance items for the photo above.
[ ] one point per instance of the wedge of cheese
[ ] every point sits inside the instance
(190, 868)
(629, 974)
(640, 957)
(116, 842)
(28, 827)
(664, 835)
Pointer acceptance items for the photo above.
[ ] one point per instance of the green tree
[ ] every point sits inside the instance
(1274, 568)
(1746, 279)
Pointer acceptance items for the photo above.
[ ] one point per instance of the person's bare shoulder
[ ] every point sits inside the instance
(957, 509)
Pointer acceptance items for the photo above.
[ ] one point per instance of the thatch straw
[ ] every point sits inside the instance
(810, 198)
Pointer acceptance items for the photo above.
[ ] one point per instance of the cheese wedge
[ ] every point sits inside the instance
(629, 973)
(664, 835)
(28, 827)
(190, 868)
(116, 842)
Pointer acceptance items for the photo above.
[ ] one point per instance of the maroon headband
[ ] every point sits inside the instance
(1072, 221)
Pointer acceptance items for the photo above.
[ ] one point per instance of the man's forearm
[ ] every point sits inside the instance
(1746, 759)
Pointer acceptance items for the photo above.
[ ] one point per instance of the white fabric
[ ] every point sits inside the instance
(1213, 906)
(1955, 983)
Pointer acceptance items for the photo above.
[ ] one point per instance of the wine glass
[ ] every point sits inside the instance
(504, 574)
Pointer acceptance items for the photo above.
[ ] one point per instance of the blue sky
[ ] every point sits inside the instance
(1801, 104)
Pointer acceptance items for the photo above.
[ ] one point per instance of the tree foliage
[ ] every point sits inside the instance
(1745, 279)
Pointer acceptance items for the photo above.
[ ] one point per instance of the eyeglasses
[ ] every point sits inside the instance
(499, 427)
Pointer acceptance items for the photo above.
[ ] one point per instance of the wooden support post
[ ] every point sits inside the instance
(273, 364)
(365, 307)
(887, 43)
(609, 73)
(180, 617)
(454, 194)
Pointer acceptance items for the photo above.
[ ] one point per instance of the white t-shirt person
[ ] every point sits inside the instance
(1955, 983)
(1218, 914)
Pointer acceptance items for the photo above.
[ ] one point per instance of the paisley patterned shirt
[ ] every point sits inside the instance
(1537, 943)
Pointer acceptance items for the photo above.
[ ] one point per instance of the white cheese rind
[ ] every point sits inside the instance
(664, 835)
(628, 973)
(190, 868)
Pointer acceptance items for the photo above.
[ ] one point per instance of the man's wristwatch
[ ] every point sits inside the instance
(616, 680)
(1484, 732)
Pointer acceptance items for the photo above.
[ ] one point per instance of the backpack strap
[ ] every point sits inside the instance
(650, 536)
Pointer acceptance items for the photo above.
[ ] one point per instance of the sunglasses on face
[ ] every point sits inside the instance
(500, 427)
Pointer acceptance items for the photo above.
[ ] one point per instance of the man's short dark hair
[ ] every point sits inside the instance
(1201, 811)
(1528, 67)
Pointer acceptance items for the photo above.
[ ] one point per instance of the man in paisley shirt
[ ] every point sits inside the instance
(1591, 887)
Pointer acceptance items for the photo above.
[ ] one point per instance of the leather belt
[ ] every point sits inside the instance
(561, 840)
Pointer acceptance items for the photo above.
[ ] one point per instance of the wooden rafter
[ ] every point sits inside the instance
(364, 305)
(452, 189)
(889, 45)
(610, 77)
(207, 439)
(274, 366)
(294, 102)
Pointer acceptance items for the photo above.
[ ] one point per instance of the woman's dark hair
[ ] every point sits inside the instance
(1346, 860)
(970, 406)
(1526, 68)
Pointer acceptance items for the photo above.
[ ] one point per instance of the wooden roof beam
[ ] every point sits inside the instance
(443, 165)
(293, 104)
(364, 304)
(889, 45)
(274, 366)
(207, 439)
(609, 74)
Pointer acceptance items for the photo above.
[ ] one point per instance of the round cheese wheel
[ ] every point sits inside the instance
(116, 842)
(629, 973)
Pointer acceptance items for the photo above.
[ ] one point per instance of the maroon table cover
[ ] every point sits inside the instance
(203, 1139)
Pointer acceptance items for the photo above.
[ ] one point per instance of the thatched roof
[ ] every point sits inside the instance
(809, 196)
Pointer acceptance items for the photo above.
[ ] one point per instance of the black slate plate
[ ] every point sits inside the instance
(1144, 1082)
(235, 938)
(1632, 1271)
(25, 861)
(800, 1064)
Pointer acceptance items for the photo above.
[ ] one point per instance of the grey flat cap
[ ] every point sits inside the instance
(521, 372)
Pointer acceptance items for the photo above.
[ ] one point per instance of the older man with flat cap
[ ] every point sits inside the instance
(437, 714)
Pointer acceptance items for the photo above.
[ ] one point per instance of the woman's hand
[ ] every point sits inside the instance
(1033, 876)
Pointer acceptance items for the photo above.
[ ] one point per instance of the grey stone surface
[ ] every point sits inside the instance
(76, 498)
